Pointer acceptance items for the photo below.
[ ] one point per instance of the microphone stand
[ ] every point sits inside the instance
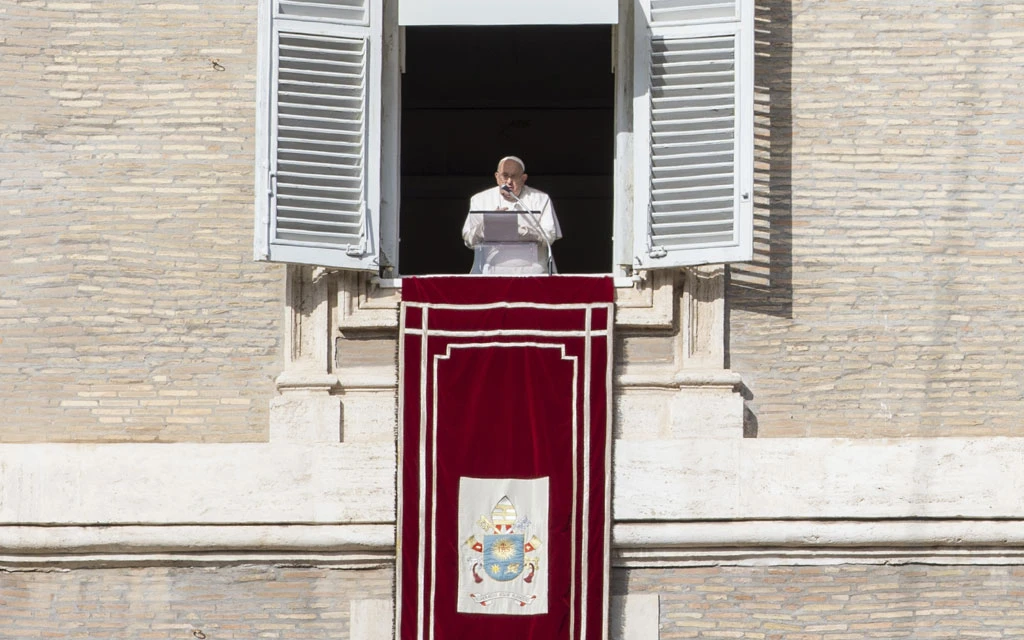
(535, 224)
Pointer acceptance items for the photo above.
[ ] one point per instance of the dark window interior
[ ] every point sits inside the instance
(471, 95)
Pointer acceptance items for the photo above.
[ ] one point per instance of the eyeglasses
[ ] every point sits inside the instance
(506, 176)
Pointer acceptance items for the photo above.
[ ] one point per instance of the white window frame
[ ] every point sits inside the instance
(490, 12)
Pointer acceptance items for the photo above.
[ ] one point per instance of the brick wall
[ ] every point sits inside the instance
(845, 602)
(130, 308)
(223, 603)
(886, 298)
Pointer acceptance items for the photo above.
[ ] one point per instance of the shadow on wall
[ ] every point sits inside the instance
(764, 285)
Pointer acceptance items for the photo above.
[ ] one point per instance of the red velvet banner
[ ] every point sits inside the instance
(504, 494)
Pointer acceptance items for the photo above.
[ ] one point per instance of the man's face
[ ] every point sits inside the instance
(510, 174)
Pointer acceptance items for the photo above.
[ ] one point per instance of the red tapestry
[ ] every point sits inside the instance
(504, 494)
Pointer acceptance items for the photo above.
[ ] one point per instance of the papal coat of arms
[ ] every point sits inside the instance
(503, 556)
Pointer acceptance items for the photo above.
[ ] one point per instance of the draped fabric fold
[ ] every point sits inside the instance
(504, 483)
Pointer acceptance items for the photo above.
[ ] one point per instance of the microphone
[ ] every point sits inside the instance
(535, 224)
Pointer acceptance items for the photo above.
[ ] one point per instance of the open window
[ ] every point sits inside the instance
(471, 95)
(650, 168)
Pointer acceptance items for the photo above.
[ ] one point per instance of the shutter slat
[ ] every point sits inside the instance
(699, 181)
(320, 138)
(704, 193)
(672, 11)
(344, 11)
(314, 172)
(304, 224)
(327, 194)
(693, 240)
(328, 125)
(692, 169)
(311, 156)
(678, 230)
(678, 207)
(678, 140)
(314, 215)
(330, 223)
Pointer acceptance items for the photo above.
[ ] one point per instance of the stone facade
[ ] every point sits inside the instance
(240, 602)
(130, 307)
(834, 602)
(749, 603)
(883, 302)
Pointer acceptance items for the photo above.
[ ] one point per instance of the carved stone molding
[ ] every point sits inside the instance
(670, 354)
(703, 312)
(364, 304)
(649, 303)
(306, 411)
(307, 337)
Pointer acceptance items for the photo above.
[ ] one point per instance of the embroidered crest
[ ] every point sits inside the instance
(504, 554)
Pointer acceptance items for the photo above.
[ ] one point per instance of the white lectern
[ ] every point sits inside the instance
(513, 244)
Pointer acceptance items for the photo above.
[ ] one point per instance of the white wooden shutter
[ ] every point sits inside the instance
(694, 132)
(318, 164)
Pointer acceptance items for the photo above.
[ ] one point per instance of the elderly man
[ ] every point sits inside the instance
(537, 225)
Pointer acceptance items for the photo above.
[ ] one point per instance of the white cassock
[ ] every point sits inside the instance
(498, 258)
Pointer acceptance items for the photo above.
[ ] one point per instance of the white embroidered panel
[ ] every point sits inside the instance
(503, 538)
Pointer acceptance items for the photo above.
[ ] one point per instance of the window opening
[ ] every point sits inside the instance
(471, 95)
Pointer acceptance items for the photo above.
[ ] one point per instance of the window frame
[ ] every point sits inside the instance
(631, 41)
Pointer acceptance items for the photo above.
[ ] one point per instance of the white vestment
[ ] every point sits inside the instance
(526, 257)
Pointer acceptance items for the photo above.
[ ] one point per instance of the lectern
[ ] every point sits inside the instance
(513, 244)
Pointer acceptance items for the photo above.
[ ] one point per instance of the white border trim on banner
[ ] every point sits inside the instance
(588, 334)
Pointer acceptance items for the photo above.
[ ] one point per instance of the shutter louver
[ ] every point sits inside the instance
(693, 128)
(344, 11)
(320, 144)
(678, 11)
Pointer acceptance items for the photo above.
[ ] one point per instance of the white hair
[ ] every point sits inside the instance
(514, 159)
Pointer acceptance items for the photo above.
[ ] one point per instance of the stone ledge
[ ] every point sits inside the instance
(635, 545)
(365, 302)
(655, 480)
